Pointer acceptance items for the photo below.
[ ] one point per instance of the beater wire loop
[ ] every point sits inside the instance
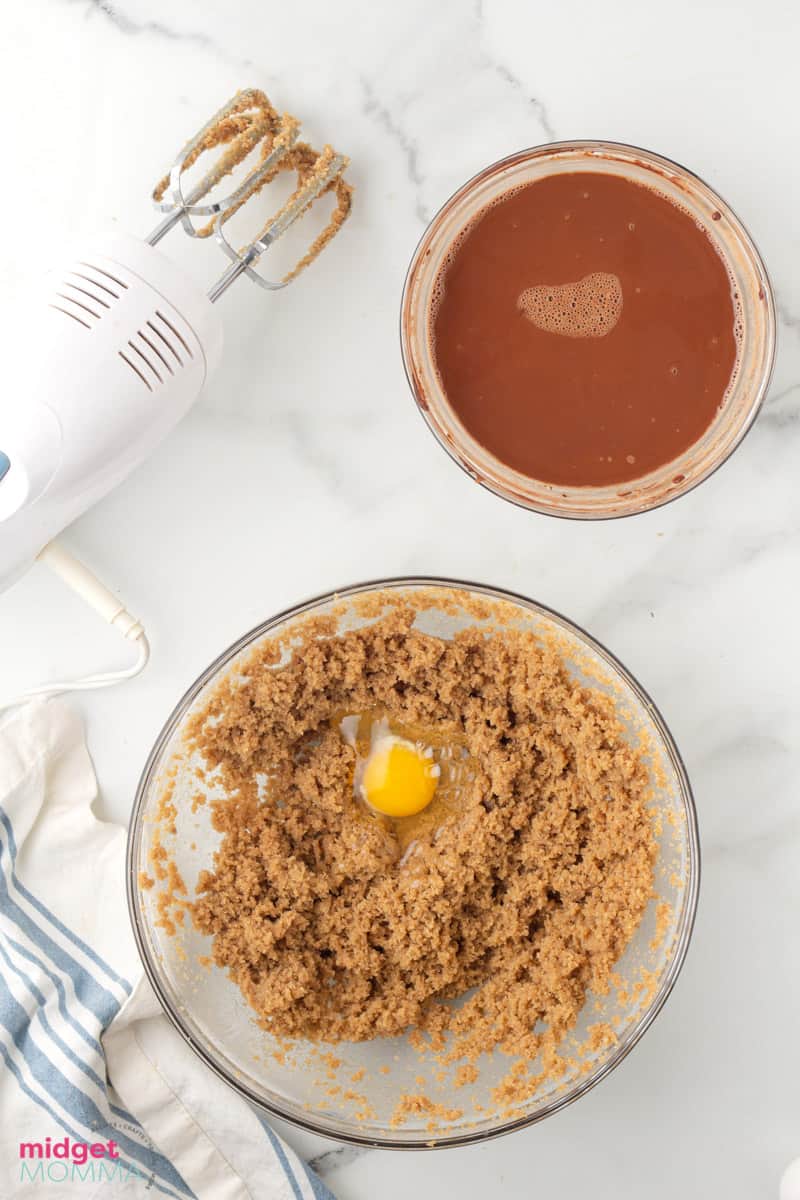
(249, 122)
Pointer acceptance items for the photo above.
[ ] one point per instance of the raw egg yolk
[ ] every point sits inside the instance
(399, 780)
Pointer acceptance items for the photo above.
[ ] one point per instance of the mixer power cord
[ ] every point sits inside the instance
(89, 588)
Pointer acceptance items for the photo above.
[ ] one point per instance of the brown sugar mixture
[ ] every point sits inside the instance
(518, 902)
(585, 329)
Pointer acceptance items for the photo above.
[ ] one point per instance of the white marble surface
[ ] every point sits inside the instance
(305, 466)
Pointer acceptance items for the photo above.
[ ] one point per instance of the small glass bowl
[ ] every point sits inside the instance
(209, 1011)
(737, 249)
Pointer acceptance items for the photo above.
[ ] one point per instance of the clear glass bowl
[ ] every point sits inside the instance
(737, 250)
(208, 1009)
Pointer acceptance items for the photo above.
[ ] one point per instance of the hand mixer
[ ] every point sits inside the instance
(125, 340)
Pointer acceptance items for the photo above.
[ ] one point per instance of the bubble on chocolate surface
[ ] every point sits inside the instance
(591, 307)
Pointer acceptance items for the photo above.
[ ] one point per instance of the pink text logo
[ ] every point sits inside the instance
(64, 1160)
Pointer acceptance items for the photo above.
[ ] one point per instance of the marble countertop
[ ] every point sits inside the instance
(304, 467)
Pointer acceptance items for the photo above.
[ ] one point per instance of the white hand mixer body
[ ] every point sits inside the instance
(119, 351)
(123, 341)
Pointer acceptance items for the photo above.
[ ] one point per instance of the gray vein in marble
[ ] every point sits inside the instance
(508, 76)
(538, 106)
(372, 107)
(754, 848)
(126, 24)
(775, 414)
(313, 452)
(787, 318)
(761, 742)
(314, 445)
(663, 573)
(340, 1156)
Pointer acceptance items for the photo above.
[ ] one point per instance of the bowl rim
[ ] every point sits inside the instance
(500, 489)
(639, 1028)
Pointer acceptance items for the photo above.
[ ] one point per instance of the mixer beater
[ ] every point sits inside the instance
(248, 121)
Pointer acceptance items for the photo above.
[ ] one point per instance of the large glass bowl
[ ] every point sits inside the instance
(208, 1009)
(737, 249)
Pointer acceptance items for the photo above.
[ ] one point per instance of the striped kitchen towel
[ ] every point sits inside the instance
(99, 1095)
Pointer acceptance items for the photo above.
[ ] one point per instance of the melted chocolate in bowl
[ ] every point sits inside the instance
(585, 329)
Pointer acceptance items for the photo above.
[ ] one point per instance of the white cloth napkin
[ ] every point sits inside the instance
(87, 1056)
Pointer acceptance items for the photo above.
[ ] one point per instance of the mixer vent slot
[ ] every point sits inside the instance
(146, 358)
(158, 359)
(60, 308)
(163, 335)
(110, 283)
(135, 369)
(86, 293)
(156, 351)
(172, 336)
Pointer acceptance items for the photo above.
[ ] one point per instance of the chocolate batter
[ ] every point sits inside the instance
(584, 329)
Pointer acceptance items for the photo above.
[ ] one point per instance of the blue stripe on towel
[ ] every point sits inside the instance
(91, 994)
(71, 1099)
(321, 1192)
(129, 1119)
(61, 998)
(51, 917)
(61, 993)
(280, 1154)
(68, 1129)
(67, 1016)
(66, 1050)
